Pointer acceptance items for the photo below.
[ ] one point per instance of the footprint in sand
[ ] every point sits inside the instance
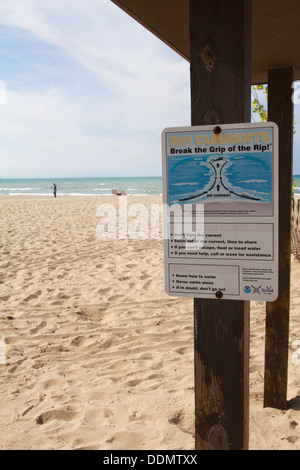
(39, 327)
(146, 285)
(5, 298)
(32, 296)
(112, 298)
(63, 415)
(57, 302)
(103, 291)
(77, 341)
(64, 296)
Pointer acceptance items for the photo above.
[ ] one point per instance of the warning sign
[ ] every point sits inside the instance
(220, 187)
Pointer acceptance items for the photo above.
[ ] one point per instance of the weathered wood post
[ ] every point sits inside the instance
(280, 110)
(220, 38)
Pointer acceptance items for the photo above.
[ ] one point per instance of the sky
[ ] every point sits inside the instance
(86, 91)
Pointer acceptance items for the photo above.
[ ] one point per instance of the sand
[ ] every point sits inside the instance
(97, 356)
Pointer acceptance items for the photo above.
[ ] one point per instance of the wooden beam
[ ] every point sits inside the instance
(280, 110)
(221, 93)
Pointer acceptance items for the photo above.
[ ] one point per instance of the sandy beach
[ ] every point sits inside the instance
(97, 356)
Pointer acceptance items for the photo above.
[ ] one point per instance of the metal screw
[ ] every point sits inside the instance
(217, 130)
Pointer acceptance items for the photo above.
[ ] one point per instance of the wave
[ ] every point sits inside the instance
(184, 184)
(19, 189)
(77, 194)
(101, 189)
(58, 195)
(254, 181)
(28, 194)
(77, 186)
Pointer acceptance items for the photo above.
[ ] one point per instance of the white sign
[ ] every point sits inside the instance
(220, 184)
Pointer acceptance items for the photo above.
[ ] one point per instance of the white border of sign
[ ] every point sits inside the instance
(220, 184)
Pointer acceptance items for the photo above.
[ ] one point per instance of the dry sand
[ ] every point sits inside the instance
(97, 355)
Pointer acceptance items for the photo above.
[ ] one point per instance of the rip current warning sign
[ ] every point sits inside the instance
(220, 188)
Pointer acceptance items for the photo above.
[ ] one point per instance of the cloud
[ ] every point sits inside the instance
(89, 91)
(100, 91)
(47, 133)
(96, 34)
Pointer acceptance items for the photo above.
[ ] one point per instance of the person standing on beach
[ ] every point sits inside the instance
(54, 189)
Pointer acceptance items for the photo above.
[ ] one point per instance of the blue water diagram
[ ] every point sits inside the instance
(220, 177)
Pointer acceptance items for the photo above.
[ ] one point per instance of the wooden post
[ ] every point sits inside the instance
(280, 110)
(221, 374)
(220, 37)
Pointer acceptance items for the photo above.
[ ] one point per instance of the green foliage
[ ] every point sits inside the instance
(258, 107)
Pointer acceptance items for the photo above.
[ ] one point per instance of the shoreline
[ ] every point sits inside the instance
(296, 196)
(77, 194)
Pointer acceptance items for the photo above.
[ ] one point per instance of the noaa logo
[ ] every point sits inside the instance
(247, 289)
